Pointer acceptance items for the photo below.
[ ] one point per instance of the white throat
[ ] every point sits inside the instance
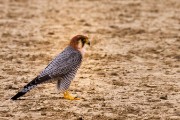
(82, 50)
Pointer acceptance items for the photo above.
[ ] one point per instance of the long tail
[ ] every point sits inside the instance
(31, 85)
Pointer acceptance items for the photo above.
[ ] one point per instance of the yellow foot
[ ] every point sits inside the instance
(69, 96)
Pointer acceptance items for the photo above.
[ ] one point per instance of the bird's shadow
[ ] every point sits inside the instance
(52, 98)
(21, 99)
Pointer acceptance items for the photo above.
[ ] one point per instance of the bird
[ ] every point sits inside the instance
(62, 68)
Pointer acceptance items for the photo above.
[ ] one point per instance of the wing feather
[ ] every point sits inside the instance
(65, 62)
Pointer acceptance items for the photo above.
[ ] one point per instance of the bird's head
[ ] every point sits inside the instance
(79, 41)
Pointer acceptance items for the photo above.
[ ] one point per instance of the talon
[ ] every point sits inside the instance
(76, 98)
(69, 96)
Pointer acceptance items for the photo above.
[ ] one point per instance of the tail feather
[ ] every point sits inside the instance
(31, 85)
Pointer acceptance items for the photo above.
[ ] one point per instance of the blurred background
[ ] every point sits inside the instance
(131, 71)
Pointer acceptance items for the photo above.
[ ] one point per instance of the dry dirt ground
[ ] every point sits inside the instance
(131, 71)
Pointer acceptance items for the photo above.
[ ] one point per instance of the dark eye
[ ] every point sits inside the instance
(83, 40)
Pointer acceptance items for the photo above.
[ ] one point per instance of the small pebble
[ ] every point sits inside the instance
(164, 97)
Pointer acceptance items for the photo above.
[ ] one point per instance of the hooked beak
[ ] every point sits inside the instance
(89, 43)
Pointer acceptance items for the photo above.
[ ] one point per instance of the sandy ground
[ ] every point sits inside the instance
(131, 71)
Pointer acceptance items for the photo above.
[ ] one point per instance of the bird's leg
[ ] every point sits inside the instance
(68, 96)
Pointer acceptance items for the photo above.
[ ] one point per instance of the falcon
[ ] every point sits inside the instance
(62, 68)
